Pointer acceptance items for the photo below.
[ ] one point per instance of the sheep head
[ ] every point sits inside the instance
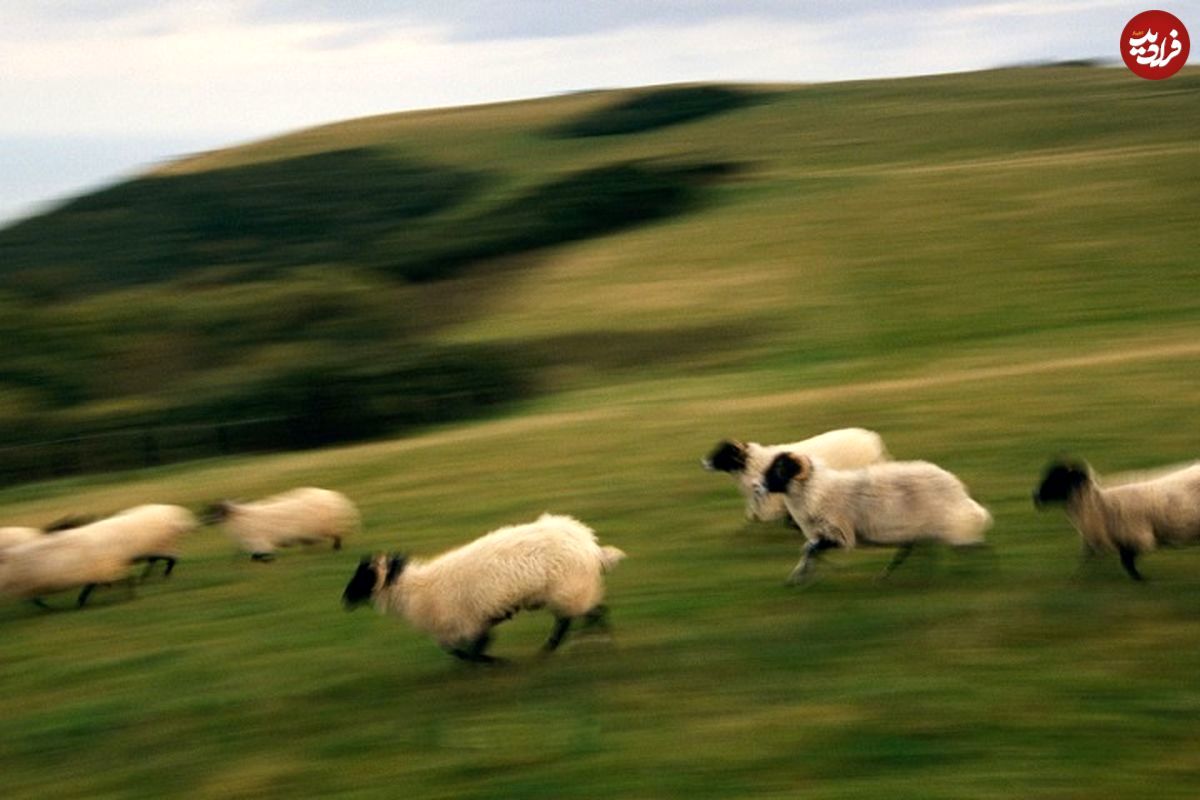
(727, 456)
(786, 467)
(1062, 480)
(373, 573)
(362, 584)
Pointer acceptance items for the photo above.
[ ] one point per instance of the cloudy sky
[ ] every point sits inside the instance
(93, 89)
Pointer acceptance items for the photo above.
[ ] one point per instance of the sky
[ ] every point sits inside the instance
(95, 90)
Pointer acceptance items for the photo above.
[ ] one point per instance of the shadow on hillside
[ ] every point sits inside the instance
(326, 207)
(581, 205)
(658, 108)
(357, 207)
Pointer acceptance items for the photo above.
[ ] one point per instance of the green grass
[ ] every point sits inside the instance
(986, 268)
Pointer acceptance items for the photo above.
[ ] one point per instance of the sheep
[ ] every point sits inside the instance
(299, 516)
(149, 533)
(46, 564)
(53, 563)
(1132, 518)
(459, 596)
(899, 503)
(844, 448)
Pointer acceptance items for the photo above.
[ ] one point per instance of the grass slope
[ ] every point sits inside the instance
(987, 268)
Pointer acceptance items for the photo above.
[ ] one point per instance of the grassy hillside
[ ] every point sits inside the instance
(987, 268)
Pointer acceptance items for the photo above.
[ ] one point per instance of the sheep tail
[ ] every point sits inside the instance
(980, 520)
(985, 517)
(610, 557)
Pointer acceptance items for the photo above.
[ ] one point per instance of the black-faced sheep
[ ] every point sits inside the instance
(894, 504)
(1131, 519)
(299, 516)
(458, 597)
(845, 448)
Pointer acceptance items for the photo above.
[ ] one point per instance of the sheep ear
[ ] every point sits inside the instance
(395, 567)
(804, 467)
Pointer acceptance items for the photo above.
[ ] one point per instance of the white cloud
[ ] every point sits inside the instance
(204, 70)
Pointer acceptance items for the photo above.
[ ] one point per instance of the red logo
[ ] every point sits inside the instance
(1155, 45)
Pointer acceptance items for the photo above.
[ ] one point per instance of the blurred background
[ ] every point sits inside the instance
(464, 317)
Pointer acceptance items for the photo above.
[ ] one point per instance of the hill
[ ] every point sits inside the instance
(423, 267)
(987, 268)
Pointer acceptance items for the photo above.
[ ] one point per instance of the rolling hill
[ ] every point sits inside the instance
(562, 304)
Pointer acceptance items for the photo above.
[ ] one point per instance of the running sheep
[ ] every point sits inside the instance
(895, 504)
(97, 553)
(299, 516)
(845, 448)
(148, 533)
(1131, 519)
(49, 564)
(459, 596)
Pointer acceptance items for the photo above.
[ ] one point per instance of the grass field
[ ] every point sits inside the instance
(987, 268)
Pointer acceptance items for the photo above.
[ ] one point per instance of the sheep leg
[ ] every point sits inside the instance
(812, 549)
(337, 543)
(597, 617)
(151, 560)
(42, 604)
(263, 557)
(85, 594)
(1129, 562)
(474, 652)
(561, 626)
(901, 554)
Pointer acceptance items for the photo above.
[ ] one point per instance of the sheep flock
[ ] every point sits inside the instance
(840, 489)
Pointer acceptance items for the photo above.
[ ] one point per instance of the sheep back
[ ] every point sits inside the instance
(147, 530)
(14, 535)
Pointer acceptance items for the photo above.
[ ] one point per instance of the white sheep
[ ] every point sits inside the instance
(299, 516)
(148, 533)
(844, 448)
(96, 553)
(457, 597)
(48, 564)
(1133, 518)
(894, 504)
